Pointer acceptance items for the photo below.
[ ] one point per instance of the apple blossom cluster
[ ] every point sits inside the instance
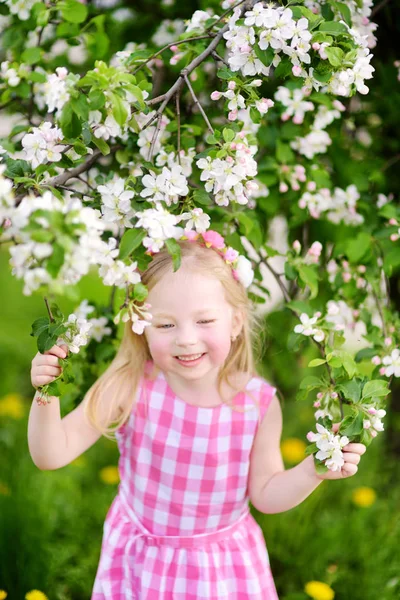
(42, 145)
(390, 363)
(136, 314)
(168, 186)
(307, 326)
(274, 28)
(30, 258)
(20, 8)
(12, 75)
(98, 328)
(335, 207)
(184, 159)
(268, 27)
(56, 90)
(294, 102)
(161, 225)
(168, 31)
(317, 140)
(237, 101)
(329, 447)
(347, 273)
(77, 334)
(230, 179)
(116, 203)
(291, 175)
(360, 16)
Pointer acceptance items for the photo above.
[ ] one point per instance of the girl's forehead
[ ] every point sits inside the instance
(181, 288)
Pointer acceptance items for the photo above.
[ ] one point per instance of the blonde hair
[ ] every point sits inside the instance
(123, 374)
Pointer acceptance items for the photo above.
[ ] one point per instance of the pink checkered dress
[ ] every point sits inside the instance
(180, 526)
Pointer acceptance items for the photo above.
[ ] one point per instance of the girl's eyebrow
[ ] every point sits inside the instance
(198, 312)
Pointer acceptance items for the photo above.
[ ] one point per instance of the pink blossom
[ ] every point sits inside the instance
(316, 46)
(382, 370)
(231, 85)
(310, 436)
(232, 115)
(346, 277)
(231, 255)
(216, 95)
(191, 235)
(213, 239)
(283, 187)
(317, 404)
(296, 70)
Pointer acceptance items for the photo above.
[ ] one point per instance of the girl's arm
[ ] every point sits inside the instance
(272, 489)
(54, 442)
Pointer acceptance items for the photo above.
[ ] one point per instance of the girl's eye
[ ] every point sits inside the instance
(168, 325)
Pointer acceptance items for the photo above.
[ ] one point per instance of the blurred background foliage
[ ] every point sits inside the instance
(347, 534)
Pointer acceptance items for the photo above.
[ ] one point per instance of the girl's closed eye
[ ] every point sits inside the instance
(168, 325)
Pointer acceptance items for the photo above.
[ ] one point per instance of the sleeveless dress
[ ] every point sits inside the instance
(180, 526)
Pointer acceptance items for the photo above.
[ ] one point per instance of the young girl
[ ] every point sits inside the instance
(199, 436)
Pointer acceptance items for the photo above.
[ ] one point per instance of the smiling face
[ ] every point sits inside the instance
(191, 317)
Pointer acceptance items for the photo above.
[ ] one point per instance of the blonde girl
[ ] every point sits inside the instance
(198, 432)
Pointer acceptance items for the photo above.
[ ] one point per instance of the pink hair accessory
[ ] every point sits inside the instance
(242, 270)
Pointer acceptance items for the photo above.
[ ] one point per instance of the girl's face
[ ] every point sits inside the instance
(191, 317)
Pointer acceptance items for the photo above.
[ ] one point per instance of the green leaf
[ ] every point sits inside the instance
(246, 221)
(39, 326)
(265, 56)
(56, 260)
(131, 239)
(119, 111)
(284, 153)
(351, 390)
(352, 425)
(175, 251)
(310, 382)
(349, 364)
(73, 11)
(80, 106)
(69, 122)
(376, 387)
(140, 292)
(344, 11)
(31, 56)
(228, 134)
(358, 247)
(309, 277)
(333, 27)
(202, 197)
(311, 448)
(290, 271)
(316, 362)
(335, 56)
(102, 145)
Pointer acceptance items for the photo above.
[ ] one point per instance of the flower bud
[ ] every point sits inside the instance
(366, 424)
(216, 95)
(388, 341)
(231, 85)
(296, 70)
(376, 360)
(296, 246)
(283, 187)
(317, 404)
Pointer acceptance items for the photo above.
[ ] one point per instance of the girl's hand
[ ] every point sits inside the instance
(46, 367)
(352, 455)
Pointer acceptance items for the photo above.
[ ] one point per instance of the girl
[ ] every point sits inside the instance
(199, 436)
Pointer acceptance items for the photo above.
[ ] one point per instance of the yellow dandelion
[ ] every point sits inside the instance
(4, 491)
(318, 590)
(363, 496)
(12, 405)
(81, 461)
(293, 450)
(109, 475)
(3, 594)
(35, 595)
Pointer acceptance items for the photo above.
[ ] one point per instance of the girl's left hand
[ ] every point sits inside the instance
(352, 455)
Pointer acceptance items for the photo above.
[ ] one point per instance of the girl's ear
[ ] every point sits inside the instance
(237, 322)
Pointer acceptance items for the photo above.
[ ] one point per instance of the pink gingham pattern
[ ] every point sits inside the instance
(180, 526)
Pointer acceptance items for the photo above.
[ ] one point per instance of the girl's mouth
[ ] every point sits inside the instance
(190, 360)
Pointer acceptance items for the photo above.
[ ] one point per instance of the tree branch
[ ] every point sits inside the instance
(196, 101)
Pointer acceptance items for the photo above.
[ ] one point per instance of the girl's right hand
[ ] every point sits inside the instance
(45, 367)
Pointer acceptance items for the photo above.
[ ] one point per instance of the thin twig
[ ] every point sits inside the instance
(224, 14)
(196, 101)
(177, 86)
(154, 138)
(277, 278)
(178, 118)
(52, 319)
(217, 57)
(177, 43)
